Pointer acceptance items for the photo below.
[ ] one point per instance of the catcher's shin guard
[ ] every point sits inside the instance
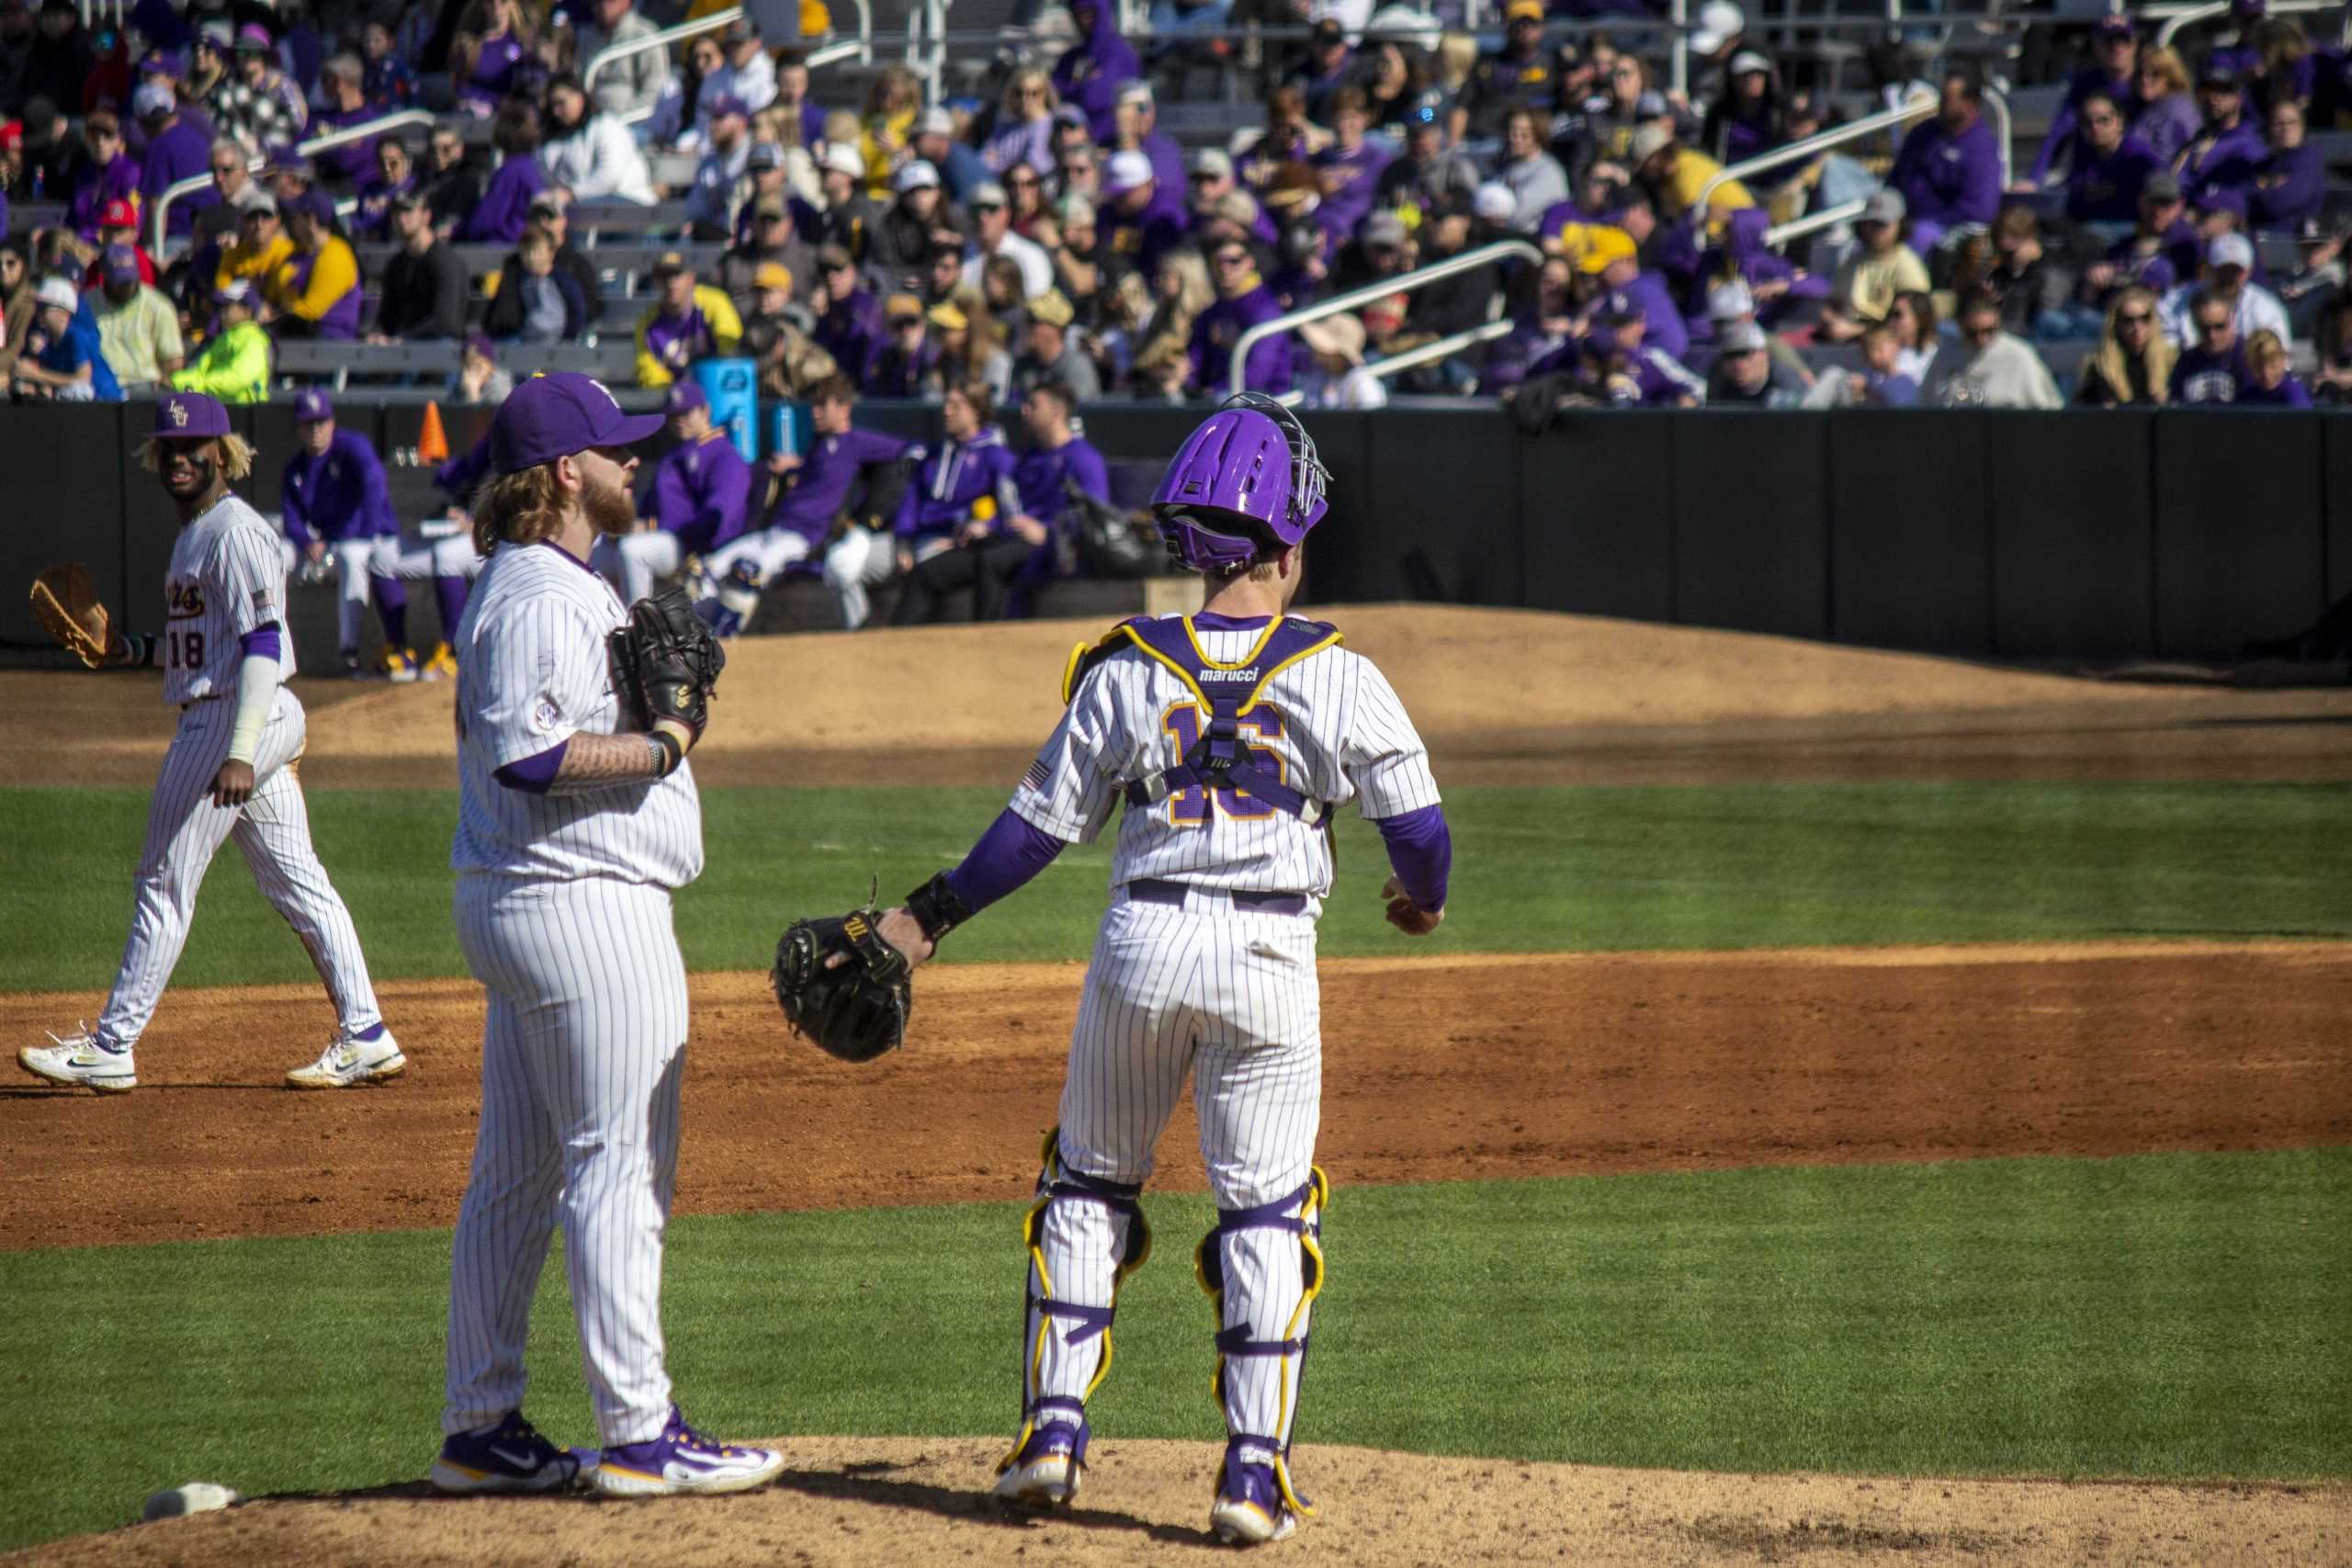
(1084, 1236)
(1244, 1247)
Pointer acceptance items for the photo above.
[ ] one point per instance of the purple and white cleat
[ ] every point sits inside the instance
(510, 1457)
(1048, 1470)
(681, 1459)
(1251, 1508)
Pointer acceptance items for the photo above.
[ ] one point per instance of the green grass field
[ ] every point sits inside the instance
(2180, 1316)
(2168, 1315)
(1538, 870)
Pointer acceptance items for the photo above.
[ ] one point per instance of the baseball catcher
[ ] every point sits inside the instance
(1220, 744)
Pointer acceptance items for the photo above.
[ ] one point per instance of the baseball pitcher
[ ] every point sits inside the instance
(577, 820)
(1231, 738)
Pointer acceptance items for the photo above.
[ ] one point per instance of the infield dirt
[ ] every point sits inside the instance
(1440, 1068)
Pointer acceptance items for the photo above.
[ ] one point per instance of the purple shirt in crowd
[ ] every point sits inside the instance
(1090, 75)
(699, 493)
(828, 471)
(118, 181)
(2226, 159)
(494, 73)
(2081, 85)
(342, 318)
(2106, 188)
(178, 151)
(505, 209)
(353, 161)
(1946, 179)
(1344, 208)
(852, 331)
(2287, 187)
(2200, 375)
(1219, 327)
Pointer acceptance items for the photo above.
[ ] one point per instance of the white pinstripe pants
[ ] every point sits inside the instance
(272, 828)
(582, 1052)
(1231, 997)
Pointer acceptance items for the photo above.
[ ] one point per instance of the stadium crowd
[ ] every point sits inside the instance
(1053, 232)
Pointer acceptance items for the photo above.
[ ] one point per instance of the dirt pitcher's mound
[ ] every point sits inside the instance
(894, 1501)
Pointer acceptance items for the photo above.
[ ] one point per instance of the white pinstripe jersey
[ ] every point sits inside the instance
(1331, 722)
(227, 577)
(533, 671)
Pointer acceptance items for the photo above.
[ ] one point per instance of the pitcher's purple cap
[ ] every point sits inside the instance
(684, 396)
(556, 414)
(313, 406)
(191, 414)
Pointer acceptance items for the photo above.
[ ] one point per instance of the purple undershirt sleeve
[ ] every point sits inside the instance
(1420, 847)
(262, 642)
(536, 774)
(1009, 854)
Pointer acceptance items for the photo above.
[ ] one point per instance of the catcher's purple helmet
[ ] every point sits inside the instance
(1249, 475)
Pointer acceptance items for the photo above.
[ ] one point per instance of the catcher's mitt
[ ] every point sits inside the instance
(68, 605)
(665, 662)
(857, 1010)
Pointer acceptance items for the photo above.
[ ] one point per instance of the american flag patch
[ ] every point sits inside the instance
(1035, 779)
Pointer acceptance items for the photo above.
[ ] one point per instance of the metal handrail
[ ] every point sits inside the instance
(2178, 17)
(1443, 348)
(613, 52)
(862, 45)
(349, 133)
(1852, 130)
(1812, 223)
(1420, 277)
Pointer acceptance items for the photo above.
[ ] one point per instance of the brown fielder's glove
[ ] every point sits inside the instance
(68, 605)
(855, 1010)
(665, 661)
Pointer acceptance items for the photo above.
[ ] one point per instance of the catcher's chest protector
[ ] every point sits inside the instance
(1217, 759)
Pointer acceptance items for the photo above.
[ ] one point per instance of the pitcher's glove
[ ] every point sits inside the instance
(66, 601)
(665, 662)
(855, 1010)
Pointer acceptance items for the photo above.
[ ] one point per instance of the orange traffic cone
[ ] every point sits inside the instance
(432, 444)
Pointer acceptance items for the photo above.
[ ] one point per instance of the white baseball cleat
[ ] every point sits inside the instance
(1047, 1471)
(80, 1062)
(348, 1061)
(1250, 1509)
(681, 1459)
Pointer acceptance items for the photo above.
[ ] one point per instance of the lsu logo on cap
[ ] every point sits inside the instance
(179, 411)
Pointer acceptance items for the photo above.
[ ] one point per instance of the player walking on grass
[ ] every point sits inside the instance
(1232, 736)
(575, 825)
(230, 773)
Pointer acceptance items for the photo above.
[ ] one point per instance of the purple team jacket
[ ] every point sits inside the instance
(337, 494)
(700, 491)
(828, 470)
(940, 501)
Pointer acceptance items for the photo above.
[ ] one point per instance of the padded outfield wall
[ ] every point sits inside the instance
(2093, 535)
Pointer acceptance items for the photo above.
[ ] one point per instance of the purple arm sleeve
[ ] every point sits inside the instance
(1009, 854)
(262, 642)
(534, 774)
(1422, 850)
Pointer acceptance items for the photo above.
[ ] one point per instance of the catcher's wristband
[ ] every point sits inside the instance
(667, 753)
(937, 908)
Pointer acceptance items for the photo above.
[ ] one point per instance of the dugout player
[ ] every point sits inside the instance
(700, 489)
(813, 510)
(1231, 736)
(572, 833)
(229, 773)
(335, 503)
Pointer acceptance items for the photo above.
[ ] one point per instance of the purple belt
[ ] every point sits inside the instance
(1152, 890)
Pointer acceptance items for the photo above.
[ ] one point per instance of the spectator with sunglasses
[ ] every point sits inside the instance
(2134, 363)
(1243, 300)
(2212, 368)
(1428, 176)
